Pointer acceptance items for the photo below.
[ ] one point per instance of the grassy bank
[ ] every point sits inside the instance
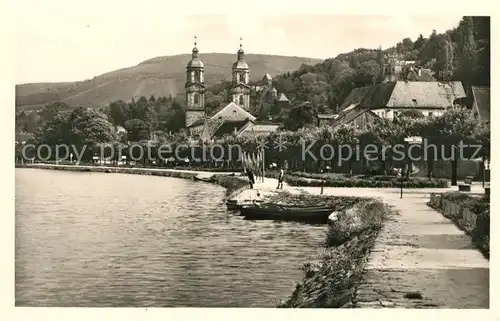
(330, 279)
(343, 180)
(470, 213)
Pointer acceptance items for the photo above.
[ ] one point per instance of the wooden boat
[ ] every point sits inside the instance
(204, 179)
(277, 212)
(234, 205)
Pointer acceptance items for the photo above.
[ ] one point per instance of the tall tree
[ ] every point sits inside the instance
(456, 126)
(419, 43)
(467, 63)
(300, 116)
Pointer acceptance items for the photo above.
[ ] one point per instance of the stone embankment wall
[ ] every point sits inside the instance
(469, 213)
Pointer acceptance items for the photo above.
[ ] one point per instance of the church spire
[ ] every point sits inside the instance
(240, 51)
(195, 50)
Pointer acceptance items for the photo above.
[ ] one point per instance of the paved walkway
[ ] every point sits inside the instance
(419, 250)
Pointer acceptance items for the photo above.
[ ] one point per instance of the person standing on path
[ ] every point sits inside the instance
(251, 178)
(280, 179)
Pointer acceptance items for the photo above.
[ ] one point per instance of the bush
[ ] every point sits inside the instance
(231, 183)
(480, 206)
(363, 216)
(338, 203)
(477, 205)
(338, 180)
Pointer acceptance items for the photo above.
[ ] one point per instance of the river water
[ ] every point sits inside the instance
(97, 239)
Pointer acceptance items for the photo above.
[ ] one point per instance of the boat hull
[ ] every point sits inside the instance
(289, 213)
(235, 206)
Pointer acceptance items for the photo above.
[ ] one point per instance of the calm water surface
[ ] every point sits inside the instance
(96, 239)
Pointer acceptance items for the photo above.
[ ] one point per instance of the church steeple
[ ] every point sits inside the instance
(195, 88)
(240, 89)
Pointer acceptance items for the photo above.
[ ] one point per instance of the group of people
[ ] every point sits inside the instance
(251, 177)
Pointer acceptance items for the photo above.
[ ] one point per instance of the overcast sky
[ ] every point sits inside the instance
(76, 40)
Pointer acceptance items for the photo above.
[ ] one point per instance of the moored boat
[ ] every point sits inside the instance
(287, 213)
(234, 205)
(210, 179)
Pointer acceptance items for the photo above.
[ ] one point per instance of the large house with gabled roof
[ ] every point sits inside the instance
(390, 99)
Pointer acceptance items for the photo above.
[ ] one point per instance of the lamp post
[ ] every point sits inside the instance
(486, 171)
(412, 140)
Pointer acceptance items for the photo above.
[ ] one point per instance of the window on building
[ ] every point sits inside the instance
(196, 99)
(197, 76)
(241, 78)
(396, 114)
(241, 101)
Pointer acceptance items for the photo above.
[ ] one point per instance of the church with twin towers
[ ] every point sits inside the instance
(248, 106)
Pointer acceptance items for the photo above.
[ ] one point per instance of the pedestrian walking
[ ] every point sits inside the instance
(251, 178)
(280, 179)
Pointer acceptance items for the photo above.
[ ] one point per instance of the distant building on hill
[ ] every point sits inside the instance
(265, 98)
(396, 69)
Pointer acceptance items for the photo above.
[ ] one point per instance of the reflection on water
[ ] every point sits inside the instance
(95, 239)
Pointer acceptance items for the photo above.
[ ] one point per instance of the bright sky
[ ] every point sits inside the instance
(75, 40)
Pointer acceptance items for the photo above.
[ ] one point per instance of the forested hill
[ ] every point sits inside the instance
(160, 76)
(462, 53)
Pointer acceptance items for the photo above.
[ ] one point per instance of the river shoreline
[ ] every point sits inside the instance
(229, 181)
(352, 254)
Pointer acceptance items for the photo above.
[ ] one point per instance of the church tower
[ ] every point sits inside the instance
(195, 88)
(240, 90)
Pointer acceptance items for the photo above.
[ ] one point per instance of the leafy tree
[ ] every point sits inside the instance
(419, 43)
(467, 62)
(118, 112)
(346, 135)
(50, 111)
(90, 127)
(80, 127)
(405, 46)
(55, 131)
(412, 113)
(457, 125)
(300, 116)
(137, 130)
(212, 101)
